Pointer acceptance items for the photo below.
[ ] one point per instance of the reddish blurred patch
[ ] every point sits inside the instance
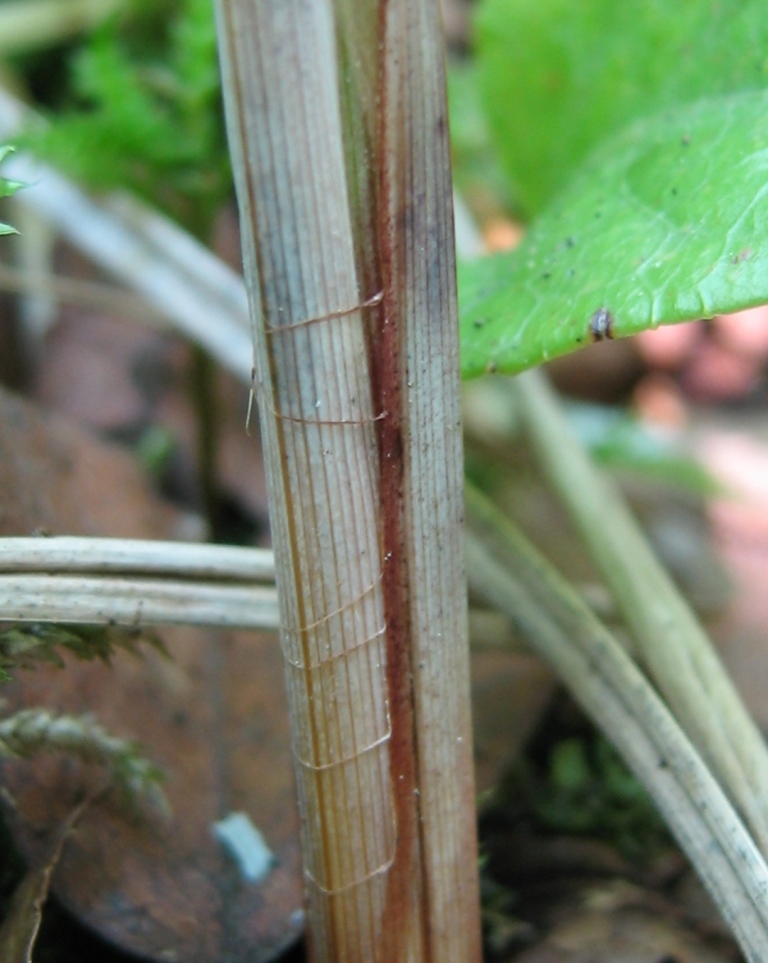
(719, 360)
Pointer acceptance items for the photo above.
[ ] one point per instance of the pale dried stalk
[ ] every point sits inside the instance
(511, 575)
(422, 312)
(135, 601)
(135, 582)
(318, 432)
(350, 546)
(93, 295)
(669, 638)
(67, 553)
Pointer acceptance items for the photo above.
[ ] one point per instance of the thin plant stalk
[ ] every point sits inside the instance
(422, 468)
(669, 638)
(331, 250)
(509, 574)
(72, 553)
(94, 295)
(135, 602)
(318, 433)
(113, 581)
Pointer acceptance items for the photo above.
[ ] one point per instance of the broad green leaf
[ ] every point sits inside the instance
(666, 223)
(559, 76)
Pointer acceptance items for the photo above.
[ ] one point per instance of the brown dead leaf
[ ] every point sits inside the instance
(56, 478)
(619, 923)
(117, 376)
(214, 718)
(19, 929)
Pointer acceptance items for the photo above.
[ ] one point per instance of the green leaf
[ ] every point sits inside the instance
(667, 223)
(7, 189)
(560, 76)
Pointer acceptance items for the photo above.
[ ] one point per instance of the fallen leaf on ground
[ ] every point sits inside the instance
(19, 929)
(214, 718)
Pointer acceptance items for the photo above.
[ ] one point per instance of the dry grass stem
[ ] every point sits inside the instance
(27, 25)
(319, 434)
(349, 264)
(669, 638)
(510, 574)
(135, 602)
(138, 556)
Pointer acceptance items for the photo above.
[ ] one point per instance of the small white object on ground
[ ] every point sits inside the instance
(246, 845)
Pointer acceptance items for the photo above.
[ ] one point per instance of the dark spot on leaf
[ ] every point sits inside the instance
(685, 140)
(546, 275)
(743, 255)
(479, 322)
(674, 192)
(571, 272)
(598, 214)
(601, 325)
(491, 368)
(569, 242)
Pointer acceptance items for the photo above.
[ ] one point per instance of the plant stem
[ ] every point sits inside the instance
(128, 582)
(422, 469)
(358, 404)
(670, 640)
(94, 295)
(135, 601)
(506, 571)
(66, 553)
(318, 433)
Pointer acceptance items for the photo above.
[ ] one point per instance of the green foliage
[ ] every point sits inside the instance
(668, 222)
(636, 135)
(559, 77)
(155, 449)
(615, 438)
(7, 189)
(589, 791)
(24, 645)
(147, 118)
(32, 731)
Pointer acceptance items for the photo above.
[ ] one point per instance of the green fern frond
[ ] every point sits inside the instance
(148, 120)
(32, 731)
(23, 646)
